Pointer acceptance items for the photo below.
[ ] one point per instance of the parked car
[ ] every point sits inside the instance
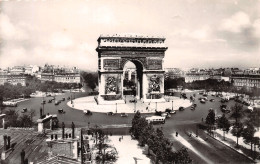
(158, 113)
(211, 100)
(50, 101)
(170, 111)
(124, 115)
(166, 115)
(87, 112)
(63, 99)
(133, 101)
(195, 105)
(181, 108)
(184, 95)
(110, 113)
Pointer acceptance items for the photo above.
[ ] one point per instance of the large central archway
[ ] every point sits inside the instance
(146, 53)
(138, 75)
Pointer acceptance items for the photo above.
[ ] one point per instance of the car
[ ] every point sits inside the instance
(246, 103)
(202, 101)
(170, 111)
(61, 111)
(181, 108)
(195, 105)
(166, 115)
(63, 99)
(223, 106)
(24, 110)
(211, 100)
(124, 115)
(57, 103)
(158, 113)
(50, 101)
(192, 108)
(110, 113)
(223, 100)
(132, 101)
(87, 112)
(68, 98)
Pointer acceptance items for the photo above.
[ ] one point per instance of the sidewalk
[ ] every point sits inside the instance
(231, 140)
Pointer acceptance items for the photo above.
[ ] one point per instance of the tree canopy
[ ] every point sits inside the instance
(156, 141)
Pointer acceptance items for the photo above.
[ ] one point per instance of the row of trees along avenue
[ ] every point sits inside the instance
(242, 124)
(211, 85)
(159, 147)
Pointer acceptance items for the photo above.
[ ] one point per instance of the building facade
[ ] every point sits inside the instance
(12, 79)
(67, 78)
(248, 80)
(61, 78)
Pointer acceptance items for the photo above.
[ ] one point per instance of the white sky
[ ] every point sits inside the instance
(199, 33)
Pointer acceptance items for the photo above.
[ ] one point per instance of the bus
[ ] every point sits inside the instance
(155, 119)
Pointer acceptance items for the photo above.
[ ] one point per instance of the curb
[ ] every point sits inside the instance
(233, 149)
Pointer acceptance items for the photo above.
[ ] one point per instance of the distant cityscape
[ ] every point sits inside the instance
(17, 74)
(248, 78)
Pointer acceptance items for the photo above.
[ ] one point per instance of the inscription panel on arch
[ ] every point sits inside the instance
(154, 64)
(111, 64)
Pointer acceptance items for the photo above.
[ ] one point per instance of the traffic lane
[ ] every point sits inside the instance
(214, 150)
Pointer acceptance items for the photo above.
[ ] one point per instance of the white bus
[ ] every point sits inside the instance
(155, 119)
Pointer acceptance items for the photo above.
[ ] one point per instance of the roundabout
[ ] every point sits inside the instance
(89, 103)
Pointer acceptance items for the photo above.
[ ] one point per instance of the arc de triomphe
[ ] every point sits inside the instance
(146, 53)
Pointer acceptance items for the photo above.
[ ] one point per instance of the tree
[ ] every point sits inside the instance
(135, 130)
(91, 79)
(103, 146)
(182, 156)
(248, 134)
(12, 118)
(223, 124)
(26, 121)
(210, 119)
(237, 130)
(237, 112)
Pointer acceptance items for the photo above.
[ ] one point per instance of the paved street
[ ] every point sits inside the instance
(210, 151)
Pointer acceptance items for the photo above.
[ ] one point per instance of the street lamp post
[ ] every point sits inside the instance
(135, 103)
(43, 106)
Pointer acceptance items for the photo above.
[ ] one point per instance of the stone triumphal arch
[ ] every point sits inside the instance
(146, 53)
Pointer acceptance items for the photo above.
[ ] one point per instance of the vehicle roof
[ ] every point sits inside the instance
(155, 117)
